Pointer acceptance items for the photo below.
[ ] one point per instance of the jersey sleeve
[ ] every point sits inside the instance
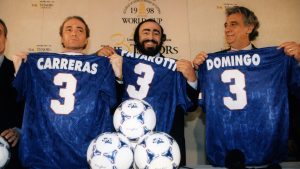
(181, 87)
(108, 86)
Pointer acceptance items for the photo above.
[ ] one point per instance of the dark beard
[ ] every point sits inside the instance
(149, 51)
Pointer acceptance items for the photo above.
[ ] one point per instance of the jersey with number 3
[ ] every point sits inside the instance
(245, 97)
(68, 101)
(163, 87)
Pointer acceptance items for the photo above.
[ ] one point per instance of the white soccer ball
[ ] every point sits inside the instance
(134, 118)
(110, 151)
(157, 150)
(4, 152)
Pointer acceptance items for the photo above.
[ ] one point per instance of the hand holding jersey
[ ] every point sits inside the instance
(199, 59)
(155, 80)
(144, 79)
(116, 61)
(12, 136)
(244, 95)
(58, 125)
(18, 59)
(106, 51)
(291, 49)
(185, 67)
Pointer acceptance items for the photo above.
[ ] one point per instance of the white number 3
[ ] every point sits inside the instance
(67, 93)
(143, 82)
(238, 88)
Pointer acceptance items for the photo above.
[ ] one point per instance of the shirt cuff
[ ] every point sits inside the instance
(119, 81)
(193, 84)
(18, 130)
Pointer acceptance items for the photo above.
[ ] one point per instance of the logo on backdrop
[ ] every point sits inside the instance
(134, 12)
(43, 4)
(139, 10)
(41, 48)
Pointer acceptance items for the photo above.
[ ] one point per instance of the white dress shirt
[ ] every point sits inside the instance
(1, 59)
(249, 47)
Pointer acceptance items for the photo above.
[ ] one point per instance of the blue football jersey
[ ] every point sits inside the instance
(155, 80)
(68, 100)
(245, 97)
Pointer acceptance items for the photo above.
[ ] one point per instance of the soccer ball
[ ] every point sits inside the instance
(134, 118)
(4, 152)
(110, 151)
(157, 150)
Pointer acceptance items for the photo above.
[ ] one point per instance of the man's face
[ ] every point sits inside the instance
(149, 38)
(236, 32)
(74, 35)
(2, 39)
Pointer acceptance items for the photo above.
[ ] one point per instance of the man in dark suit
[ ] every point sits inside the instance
(149, 37)
(10, 109)
(241, 28)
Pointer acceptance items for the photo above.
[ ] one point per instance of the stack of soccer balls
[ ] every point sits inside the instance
(135, 145)
(4, 152)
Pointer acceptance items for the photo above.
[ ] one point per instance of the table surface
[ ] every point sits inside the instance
(285, 165)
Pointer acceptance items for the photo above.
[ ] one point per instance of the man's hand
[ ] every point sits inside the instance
(291, 49)
(106, 51)
(199, 59)
(17, 60)
(11, 135)
(116, 61)
(186, 68)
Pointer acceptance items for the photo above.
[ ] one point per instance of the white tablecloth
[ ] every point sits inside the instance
(285, 165)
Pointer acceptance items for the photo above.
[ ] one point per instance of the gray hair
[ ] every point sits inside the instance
(249, 19)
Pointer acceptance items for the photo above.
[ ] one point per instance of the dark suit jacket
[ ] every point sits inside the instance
(10, 110)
